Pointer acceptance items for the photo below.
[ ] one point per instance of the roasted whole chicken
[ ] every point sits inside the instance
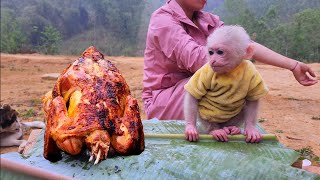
(91, 106)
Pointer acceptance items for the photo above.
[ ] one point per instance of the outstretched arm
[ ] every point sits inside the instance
(190, 115)
(302, 72)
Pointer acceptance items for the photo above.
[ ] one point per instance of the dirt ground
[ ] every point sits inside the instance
(290, 111)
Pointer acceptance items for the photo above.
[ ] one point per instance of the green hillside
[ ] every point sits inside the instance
(120, 27)
(288, 27)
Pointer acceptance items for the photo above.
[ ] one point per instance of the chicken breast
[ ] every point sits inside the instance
(91, 107)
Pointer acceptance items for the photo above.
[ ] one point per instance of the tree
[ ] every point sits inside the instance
(279, 27)
(50, 39)
(306, 42)
(12, 37)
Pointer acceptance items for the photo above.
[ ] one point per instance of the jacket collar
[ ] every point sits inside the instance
(202, 17)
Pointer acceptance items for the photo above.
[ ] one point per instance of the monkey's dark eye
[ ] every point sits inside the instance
(220, 52)
(211, 52)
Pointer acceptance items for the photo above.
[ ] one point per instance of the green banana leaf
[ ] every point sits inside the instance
(177, 159)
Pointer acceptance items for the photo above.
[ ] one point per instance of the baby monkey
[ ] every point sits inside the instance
(225, 92)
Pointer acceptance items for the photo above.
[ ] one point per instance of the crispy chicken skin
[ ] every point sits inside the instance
(91, 106)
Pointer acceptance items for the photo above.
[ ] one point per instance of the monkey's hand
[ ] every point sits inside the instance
(232, 130)
(220, 135)
(191, 133)
(253, 135)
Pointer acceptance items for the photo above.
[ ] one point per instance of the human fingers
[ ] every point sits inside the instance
(304, 68)
(308, 82)
(305, 75)
(311, 72)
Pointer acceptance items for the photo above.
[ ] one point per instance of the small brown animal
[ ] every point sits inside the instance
(11, 129)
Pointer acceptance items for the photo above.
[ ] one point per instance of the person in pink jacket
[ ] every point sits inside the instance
(175, 50)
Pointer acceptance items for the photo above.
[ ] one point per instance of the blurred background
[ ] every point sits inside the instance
(119, 27)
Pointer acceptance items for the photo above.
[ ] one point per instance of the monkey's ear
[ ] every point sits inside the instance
(249, 52)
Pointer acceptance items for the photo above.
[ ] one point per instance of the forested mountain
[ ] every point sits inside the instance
(70, 26)
(120, 27)
(288, 27)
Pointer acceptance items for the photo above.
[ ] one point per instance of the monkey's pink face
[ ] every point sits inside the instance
(222, 59)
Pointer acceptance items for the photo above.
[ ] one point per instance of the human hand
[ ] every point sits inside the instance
(220, 135)
(253, 135)
(304, 74)
(232, 130)
(191, 133)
